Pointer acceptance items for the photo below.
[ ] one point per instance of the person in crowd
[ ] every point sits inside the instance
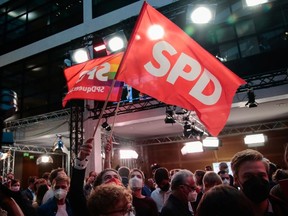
(225, 177)
(173, 171)
(7, 181)
(40, 192)
(199, 189)
(29, 193)
(45, 176)
(147, 189)
(53, 174)
(182, 185)
(124, 173)
(208, 168)
(15, 185)
(89, 183)
(106, 176)
(223, 166)
(280, 190)
(143, 205)
(110, 199)
(58, 204)
(154, 167)
(250, 171)
(211, 179)
(224, 200)
(162, 191)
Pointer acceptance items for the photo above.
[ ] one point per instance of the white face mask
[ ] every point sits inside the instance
(15, 188)
(135, 183)
(192, 196)
(226, 182)
(60, 194)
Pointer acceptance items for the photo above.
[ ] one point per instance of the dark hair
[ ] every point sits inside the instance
(98, 180)
(54, 173)
(224, 200)
(161, 174)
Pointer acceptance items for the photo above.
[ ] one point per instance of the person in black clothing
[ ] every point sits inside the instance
(182, 186)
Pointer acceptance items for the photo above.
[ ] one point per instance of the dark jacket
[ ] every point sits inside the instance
(50, 208)
(174, 207)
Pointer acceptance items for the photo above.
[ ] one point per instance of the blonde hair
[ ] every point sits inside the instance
(106, 198)
(246, 155)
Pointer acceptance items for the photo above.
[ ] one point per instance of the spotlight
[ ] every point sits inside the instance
(80, 55)
(169, 116)
(251, 99)
(201, 13)
(106, 126)
(115, 42)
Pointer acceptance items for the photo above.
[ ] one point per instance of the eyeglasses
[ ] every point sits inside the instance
(192, 188)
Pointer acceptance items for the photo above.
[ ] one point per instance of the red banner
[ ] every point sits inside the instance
(171, 67)
(92, 80)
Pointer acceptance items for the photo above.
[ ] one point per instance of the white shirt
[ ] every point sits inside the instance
(160, 197)
(61, 210)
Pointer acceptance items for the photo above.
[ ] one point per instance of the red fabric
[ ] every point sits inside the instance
(92, 80)
(178, 71)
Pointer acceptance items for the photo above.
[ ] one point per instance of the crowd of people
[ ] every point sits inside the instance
(256, 188)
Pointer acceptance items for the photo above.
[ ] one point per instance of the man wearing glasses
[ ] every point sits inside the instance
(182, 186)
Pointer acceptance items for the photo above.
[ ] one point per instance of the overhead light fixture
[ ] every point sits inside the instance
(100, 47)
(211, 142)
(190, 130)
(106, 126)
(201, 13)
(192, 147)
(255, 140)
(251, 3)
(59, 146)
(128, 154)
(44, 159)
(251, 99)
(80, 55)
(115, 42)
(169, 115)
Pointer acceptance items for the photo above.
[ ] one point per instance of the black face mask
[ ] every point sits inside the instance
(256, 189)
(165, 187)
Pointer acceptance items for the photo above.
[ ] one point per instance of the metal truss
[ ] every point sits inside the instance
(228, 131)
(266, 80)
(9, 162)
(269, 126)
(14, 124)
(76, 131)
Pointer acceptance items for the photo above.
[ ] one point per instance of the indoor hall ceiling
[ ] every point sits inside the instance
(148, 124)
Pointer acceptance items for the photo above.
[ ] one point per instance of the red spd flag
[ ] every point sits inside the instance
(162, 61)
(92, 80)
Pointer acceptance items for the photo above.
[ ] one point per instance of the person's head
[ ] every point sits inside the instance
(199, 177)
(107, 176)
(31, 181)
(173, 171)
(110, 200)
(41, 190)
(224, 200)
(46, 176)
(162, 178)
(280, 174)
(39, 182)
(60, 186)
(250, 171)
(15, 184)
(124, 173)
(54, 173)
(211, 179)
(136, 179)
(223, 166)
(183, 185)
(10, 176)
(208, 168)
(224, 175)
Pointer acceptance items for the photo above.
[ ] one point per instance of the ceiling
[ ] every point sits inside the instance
(149, 124)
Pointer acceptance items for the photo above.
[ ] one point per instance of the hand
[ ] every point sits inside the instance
(85, 149)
